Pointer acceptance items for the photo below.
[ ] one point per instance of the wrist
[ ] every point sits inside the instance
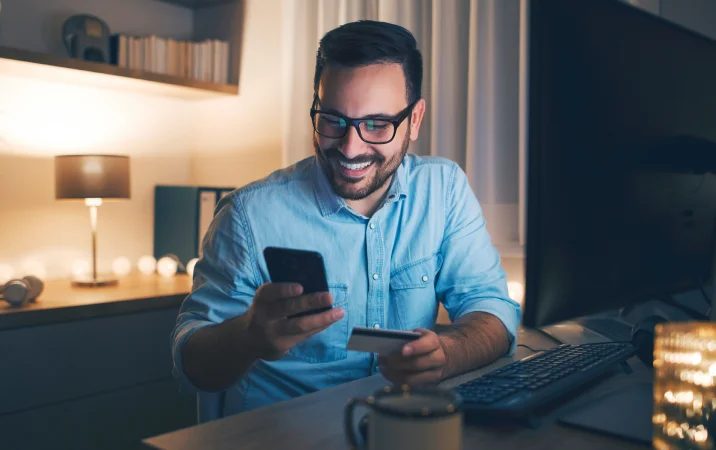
(241, 338)
(447, 367)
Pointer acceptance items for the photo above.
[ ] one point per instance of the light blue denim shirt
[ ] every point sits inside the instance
(426, 244)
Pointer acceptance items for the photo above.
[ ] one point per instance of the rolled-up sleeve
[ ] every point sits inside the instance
(225, 280)
(471, 278)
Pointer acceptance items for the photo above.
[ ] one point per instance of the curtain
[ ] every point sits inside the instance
(473, 52)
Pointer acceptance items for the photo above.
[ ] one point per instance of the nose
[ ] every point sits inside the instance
(352, 145)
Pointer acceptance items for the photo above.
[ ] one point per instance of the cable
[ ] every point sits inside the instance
(531, 349)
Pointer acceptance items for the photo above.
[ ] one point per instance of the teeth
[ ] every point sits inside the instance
(354, 166)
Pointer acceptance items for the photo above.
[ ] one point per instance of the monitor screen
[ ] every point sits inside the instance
(621, 159)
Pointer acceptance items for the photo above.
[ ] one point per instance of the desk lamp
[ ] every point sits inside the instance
(92, 178)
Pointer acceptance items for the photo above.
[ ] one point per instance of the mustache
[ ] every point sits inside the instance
(334, 153)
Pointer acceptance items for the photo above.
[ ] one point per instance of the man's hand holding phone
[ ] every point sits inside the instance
(270, 323)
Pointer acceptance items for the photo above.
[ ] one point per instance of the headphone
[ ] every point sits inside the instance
(19, 292)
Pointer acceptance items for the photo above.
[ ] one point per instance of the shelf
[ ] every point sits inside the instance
(26, 63)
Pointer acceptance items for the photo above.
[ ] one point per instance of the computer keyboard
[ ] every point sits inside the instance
(523, 386)
(607, 327)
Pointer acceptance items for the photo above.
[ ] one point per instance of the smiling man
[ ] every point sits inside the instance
(399, 234)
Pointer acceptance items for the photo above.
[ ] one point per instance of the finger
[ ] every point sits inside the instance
(270, 292)
(426, 344)
(286, 307)
(307, 303)
(434, 360)
(314, 322)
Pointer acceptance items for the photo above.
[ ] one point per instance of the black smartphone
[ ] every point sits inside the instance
(305, 267)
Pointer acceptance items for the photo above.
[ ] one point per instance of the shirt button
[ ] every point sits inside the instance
(425, 278)
(375, 276)
(372, 225)
(376, 326)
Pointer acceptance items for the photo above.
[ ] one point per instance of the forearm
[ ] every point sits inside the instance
(216, 356)
(474, 340)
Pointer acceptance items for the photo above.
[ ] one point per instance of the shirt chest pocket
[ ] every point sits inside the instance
(329, 344)
(412, 292)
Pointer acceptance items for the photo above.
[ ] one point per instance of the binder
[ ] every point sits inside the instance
(182, 216)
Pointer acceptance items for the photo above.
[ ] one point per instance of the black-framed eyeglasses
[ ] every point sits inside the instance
(378, 130)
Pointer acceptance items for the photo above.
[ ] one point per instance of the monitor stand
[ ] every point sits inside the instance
(625, 413)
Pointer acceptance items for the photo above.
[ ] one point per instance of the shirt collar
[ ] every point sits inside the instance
(330, 203)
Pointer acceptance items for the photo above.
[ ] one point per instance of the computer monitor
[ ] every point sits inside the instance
(621, 156)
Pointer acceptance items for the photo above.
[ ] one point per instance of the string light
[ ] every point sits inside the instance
(190, 267)
(167, 266)
(121, 266)
(147, 265)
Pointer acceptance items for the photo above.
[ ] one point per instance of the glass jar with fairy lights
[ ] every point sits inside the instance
(685, 386)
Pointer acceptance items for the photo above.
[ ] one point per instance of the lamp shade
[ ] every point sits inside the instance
(92, 176)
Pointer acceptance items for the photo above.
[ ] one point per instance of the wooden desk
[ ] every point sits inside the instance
(62, 302)
(315, 421)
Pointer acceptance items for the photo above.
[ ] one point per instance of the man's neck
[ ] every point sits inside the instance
(369, 205)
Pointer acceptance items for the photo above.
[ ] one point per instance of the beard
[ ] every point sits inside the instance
(348, 188)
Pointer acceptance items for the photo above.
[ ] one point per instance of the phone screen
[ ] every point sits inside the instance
(304, 267)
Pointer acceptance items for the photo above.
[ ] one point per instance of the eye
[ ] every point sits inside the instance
(376, 125)
(334, 121)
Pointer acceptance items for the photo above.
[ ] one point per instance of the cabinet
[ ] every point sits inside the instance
(91, 368)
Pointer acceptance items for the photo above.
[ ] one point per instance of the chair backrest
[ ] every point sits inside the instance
(209, 406)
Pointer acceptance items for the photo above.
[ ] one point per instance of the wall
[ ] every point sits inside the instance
(239, 138)
(227, 141)
(39, 119)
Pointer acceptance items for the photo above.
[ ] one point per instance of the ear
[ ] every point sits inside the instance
(416, 118)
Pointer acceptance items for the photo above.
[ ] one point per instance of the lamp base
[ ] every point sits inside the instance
(89, 282)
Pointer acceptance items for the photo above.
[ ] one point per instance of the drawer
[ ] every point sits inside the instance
(58, 362)
(108, 421)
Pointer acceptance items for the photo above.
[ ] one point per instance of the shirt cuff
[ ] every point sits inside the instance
(505, 311)
(185, 385)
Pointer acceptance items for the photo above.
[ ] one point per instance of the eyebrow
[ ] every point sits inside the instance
(369, 116)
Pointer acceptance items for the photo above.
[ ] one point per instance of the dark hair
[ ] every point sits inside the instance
(366, 42)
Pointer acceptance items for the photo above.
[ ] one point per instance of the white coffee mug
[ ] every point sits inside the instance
(408, 418)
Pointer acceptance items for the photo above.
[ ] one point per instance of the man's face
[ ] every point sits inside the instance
(355, 168)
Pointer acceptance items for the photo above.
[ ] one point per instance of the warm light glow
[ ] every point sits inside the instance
(6, 273)
(190, 267)
(685, 375)
(516, 291)
(121, 266)
(167, 267)
(34, 268)
(92, 167)
(81, 268)
(147, 265)
(59, 107)
(683, 358)
(93, 202)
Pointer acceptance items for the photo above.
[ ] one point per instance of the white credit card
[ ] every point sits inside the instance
(384, 342)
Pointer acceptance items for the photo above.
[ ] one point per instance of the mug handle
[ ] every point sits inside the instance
(348, 424)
